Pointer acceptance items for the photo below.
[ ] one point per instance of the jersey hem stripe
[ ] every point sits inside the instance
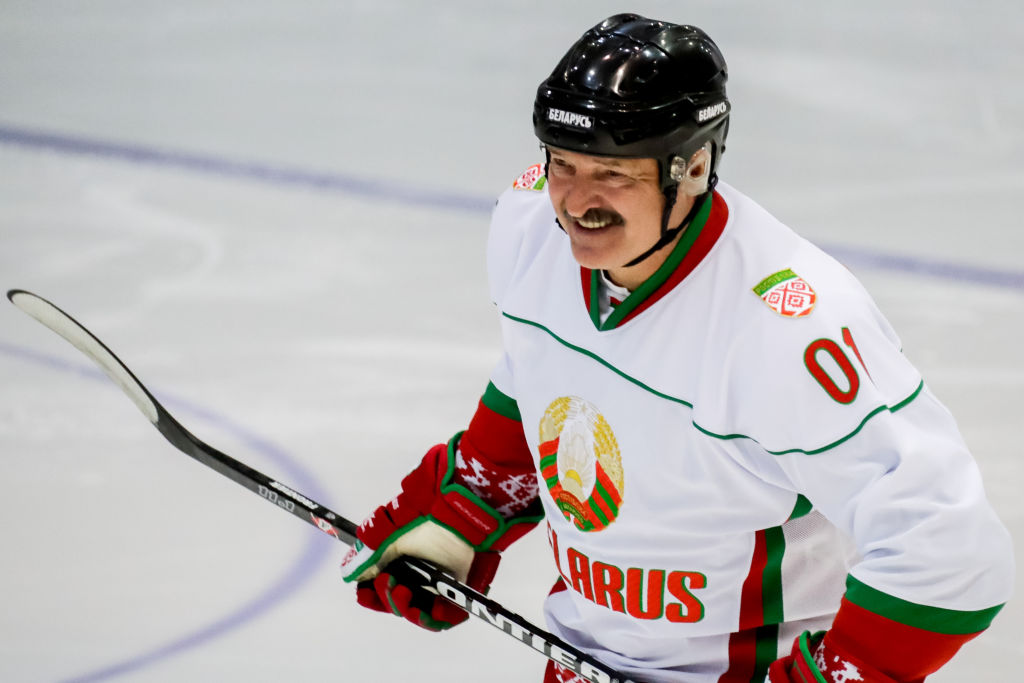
(924, 617)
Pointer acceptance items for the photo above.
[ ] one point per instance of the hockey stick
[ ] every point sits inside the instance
(309, 511)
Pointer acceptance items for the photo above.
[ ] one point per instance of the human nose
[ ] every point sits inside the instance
(579, 196)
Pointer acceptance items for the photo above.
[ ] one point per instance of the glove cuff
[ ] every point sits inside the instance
(431, 493)
(816, 660)
(468, 515)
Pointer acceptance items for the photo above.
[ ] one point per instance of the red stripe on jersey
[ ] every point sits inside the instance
(743, 643)
(752, 596)
(742, 655)
(585, 280)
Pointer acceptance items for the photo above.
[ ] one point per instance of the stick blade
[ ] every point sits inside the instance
(83, 340)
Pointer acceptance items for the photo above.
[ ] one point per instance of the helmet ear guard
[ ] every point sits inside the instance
(693, 176)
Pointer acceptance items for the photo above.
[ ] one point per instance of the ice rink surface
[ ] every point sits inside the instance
(275, 213)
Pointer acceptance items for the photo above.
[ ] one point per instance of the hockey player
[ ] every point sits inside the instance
(741, 474)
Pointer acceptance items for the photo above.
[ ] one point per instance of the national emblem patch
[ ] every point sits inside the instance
(787, 294)
(532, 179)
(580, 463)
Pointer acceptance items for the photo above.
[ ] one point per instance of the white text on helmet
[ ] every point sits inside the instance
(708, 113)
(569, 118)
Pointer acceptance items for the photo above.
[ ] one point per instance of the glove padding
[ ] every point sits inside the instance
(439, 521)
(813, 660)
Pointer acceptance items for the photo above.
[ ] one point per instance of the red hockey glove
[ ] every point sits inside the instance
(815, 661)
(440, 521)
(402, 596)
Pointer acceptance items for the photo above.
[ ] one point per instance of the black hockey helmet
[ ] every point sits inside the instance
(636, 87)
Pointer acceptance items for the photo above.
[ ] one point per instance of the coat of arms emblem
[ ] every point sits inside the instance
(580, 463)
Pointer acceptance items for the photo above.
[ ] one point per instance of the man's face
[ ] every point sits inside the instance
(609, 207)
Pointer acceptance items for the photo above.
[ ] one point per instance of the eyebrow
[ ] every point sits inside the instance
(610, 162)
(616, 163)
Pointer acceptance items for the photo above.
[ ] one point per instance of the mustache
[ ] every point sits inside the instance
(597, 214)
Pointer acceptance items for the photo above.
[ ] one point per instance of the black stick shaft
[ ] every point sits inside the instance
(309, 511)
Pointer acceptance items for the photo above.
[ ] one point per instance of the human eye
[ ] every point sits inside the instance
(559, 166)
(617, 177)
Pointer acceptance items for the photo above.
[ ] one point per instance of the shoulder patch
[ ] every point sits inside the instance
(787, 294)
(532, 179)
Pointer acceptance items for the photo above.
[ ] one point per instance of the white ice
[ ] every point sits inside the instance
(327, 334)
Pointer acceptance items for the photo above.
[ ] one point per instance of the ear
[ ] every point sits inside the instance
(692, 175)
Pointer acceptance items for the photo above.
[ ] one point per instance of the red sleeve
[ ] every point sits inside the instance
(494, 460)
(905, 653)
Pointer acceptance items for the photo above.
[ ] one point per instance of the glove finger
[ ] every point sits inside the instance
(445, 612)
(367, 596)
(434, 611)
(418, 607)
(385, 593)
(384, 586)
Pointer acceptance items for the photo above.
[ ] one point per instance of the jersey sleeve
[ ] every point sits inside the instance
(889, 467)
(829, 407)
(493, 459)
(936, 564)
(856, 431)
(906, 489)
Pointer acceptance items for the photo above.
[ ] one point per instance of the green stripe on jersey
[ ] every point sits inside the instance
(803, 507)
(649, 286)
(771, 584)
(503, 405)
(934, 619)
(767, 636)
(674, 399)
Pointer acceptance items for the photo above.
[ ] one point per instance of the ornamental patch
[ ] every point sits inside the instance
(532, 179)
(787, 294)
(580, 463)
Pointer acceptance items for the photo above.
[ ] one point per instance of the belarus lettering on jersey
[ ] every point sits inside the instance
(681, 441)
(642, 593)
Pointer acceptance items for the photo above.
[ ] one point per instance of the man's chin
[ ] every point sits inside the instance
(590, 257)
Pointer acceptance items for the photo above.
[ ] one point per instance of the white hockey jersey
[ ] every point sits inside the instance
(738, 444)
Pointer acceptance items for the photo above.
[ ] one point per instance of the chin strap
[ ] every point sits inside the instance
(669, 234)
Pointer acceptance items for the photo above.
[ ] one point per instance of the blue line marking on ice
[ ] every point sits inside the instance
(315, 552)
(394, 193)
(403, 193)
(945, 270)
